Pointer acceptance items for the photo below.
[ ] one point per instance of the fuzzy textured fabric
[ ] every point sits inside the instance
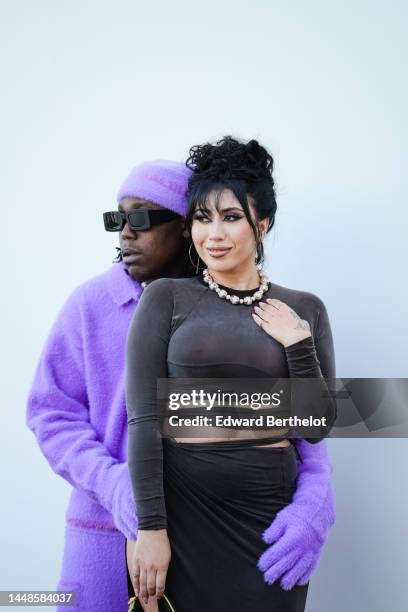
(162, 181)
(299, 530)
(76, 405)
(93, 566)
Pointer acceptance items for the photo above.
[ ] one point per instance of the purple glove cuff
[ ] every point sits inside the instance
(123, 508)
(298, 532)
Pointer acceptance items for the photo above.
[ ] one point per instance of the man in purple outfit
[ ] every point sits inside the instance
(76, 407)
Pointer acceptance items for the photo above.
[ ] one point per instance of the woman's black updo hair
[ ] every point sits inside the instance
(244, 168)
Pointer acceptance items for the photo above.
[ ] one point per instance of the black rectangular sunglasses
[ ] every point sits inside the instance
(139, 220)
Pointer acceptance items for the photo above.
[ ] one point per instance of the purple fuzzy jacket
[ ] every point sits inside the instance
(76, 405)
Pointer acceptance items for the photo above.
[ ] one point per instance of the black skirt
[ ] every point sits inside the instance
(220, 497)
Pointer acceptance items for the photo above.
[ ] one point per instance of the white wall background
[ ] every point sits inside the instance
(90, 88)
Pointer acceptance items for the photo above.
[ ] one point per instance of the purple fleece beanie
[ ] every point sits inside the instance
(161, 181)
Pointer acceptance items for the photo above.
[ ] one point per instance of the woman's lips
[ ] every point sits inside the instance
(130, 257)
(218, 252)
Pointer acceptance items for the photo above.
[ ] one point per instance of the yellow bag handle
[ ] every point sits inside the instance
(132, 603)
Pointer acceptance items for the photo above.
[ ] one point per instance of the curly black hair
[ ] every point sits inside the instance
(244, 168)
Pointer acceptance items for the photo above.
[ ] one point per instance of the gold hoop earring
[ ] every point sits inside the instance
(195, 265)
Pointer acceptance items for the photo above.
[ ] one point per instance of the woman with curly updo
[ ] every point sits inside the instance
(207, 503)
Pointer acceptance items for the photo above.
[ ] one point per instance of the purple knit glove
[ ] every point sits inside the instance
(123, 508)
(299, 530)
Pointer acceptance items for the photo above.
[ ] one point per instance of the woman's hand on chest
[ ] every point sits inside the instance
(281, 322)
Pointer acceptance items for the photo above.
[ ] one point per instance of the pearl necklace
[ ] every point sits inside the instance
(235, 299)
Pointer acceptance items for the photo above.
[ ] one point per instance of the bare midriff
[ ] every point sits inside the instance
(280, 443)
(219, 438)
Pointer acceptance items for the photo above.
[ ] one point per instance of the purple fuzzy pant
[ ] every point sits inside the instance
(94, 566)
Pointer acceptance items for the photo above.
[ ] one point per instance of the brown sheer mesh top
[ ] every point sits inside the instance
(182, 329)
